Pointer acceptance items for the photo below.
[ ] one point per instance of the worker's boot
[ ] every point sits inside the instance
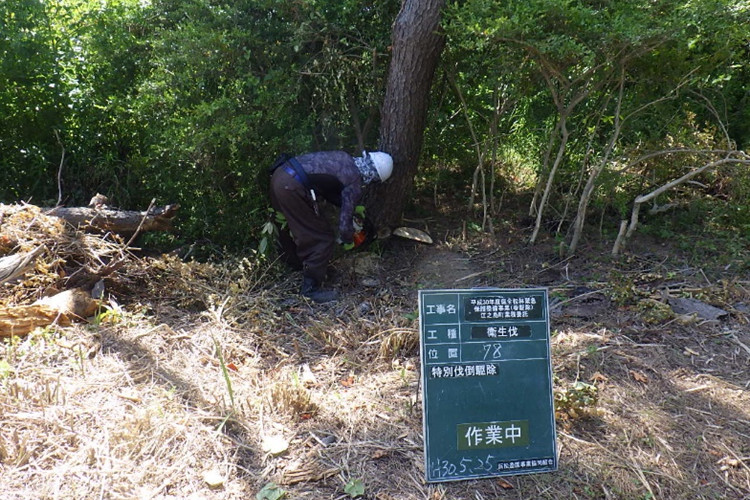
(311, 289)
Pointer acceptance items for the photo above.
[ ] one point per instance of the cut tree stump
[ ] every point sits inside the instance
(117, 221)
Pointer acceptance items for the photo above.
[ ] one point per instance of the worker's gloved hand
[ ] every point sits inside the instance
(357, 235)
(347, 245)
(347, 236)
(359, 238)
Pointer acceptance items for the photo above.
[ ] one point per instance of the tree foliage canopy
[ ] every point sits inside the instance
(189, 101)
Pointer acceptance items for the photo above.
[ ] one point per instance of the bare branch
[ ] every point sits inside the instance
(713, 111)
(665, 152)
(656, 192)
(59, 170)
(738, 157)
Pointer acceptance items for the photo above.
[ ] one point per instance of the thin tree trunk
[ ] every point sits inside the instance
(594, 175)
(533, 209)
(551, 177)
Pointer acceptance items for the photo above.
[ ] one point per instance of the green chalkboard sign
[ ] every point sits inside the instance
(487, 383)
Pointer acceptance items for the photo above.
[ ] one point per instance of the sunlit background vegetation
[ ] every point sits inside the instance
(563, 104)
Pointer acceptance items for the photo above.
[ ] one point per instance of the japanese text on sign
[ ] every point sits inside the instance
(457, 371)
(493, 435)
(502, 307)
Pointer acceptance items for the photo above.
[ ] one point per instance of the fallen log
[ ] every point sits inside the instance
(20, 320)
(116, 221)
(60, 309)
(74, 303)
(14, 266)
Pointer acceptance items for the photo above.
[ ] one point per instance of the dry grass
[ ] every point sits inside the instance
(209, 381)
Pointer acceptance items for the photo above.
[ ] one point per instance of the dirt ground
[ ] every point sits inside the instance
(672, 408)
(216, 381)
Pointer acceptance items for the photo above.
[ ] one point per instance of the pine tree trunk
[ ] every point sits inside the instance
(417, 44)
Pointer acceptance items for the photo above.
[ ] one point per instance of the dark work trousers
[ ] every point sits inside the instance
(312, 234)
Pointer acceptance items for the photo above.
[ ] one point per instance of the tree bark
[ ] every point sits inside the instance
(20, 320)
(417, 43)
(117, 221)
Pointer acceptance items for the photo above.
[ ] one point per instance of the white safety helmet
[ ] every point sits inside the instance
(383, 164)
